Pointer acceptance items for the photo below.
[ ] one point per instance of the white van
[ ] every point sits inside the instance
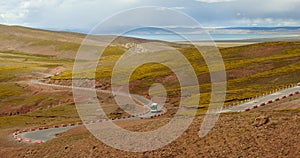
(154, 108)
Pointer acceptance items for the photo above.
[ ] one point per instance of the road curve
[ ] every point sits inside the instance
(44, 134)
(146, 102)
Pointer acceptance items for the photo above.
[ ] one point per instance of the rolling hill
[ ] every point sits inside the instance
(252, 70)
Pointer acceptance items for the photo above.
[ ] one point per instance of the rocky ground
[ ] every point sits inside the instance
(269, 132)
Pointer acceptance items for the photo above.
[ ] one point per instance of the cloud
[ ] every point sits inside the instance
(248, 13)
(267, 22)
(214, 1)
(84, 15)
(17, 11)
(59, 14)
(178, 8)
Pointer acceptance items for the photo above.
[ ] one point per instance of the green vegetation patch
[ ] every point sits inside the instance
(66, 111)
(9, 90)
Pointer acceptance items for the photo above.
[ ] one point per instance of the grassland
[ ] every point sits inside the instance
(16, 71)
(46, 117)
(252, 70)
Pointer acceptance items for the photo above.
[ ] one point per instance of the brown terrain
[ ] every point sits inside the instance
(269, 131)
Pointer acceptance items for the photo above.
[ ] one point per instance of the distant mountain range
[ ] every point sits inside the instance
(225, 30)
(292, 28)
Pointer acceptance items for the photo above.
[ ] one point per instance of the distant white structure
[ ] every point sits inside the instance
(130, 45)
(135, 48)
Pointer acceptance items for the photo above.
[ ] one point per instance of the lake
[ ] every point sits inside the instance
(201, 37)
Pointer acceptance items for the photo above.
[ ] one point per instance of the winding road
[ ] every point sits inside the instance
(261, 101)
(45, 134)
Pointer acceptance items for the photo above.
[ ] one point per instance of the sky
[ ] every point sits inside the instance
(81, 16)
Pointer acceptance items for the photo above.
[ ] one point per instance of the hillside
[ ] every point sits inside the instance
(253, 134)
(53, 43)
(252, 70)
